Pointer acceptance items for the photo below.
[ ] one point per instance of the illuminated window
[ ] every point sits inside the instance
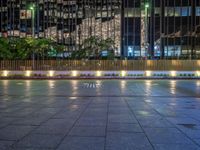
(130, 51)
(173, 50)
(177, 11)
(132, 12)
(186, 11)
(157, 11)
(169, 11)
(197, 11)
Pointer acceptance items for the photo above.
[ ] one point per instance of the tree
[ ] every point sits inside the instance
(43, 47)
(32, 46)
(25, 48)
(4, 49)
(38, 47)
(91, 46)
(20, 48)
(59, 48)
(108, 45)
(80, 54)
(13, 48)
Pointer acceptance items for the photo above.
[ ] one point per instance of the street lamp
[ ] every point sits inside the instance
(32, 8)
(146, 26)
(146, 5)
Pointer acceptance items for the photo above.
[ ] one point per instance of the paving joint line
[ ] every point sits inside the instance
(107, 113)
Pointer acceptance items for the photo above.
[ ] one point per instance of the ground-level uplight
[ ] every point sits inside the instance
(123, 73)
(51, 73)
(173, 73)
(28, 73)
(5, 73)
(198, 73)
(148, 73)
(98, 73)
(74, 73)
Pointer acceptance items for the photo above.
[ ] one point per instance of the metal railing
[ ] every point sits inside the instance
(178, 65)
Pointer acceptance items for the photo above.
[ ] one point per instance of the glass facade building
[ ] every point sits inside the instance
(161, 28)
(140, 28)
(69, 22)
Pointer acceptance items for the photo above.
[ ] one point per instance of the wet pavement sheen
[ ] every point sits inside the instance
(100, 115)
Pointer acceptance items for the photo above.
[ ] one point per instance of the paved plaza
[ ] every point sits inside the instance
(100, 115)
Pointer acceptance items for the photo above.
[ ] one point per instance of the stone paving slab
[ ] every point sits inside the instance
(123, 127)
(154, 121)
(82, 143)
(4, 121)
(88, 131)
(52, 130)
(166, 136)
(39, 141)
(4, 145)
(127, 141)
(13, 132)
(176, 147)
(88, 121)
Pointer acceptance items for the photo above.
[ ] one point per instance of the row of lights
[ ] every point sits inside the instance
(51, 73)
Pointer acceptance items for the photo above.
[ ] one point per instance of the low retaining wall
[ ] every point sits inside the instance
(5, 74)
